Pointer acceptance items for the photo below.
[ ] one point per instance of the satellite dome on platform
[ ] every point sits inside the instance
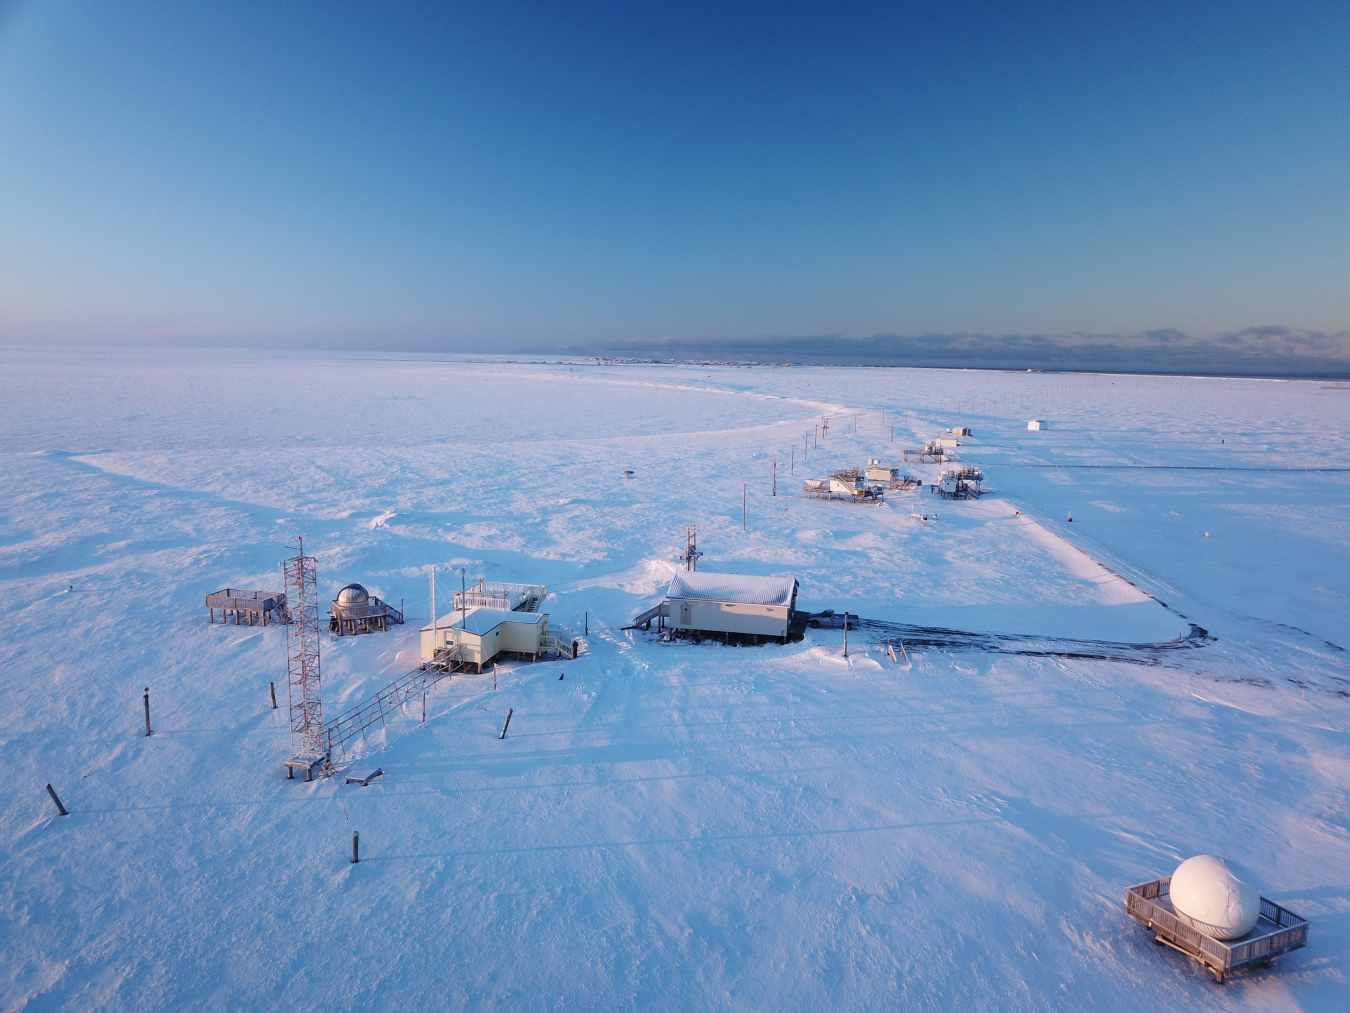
(1208, 895)
(353, 594)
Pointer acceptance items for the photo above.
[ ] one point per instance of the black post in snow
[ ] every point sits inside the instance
(505, 723)
(356, 846)
(147, 710)
(273, 687)
(60, 809)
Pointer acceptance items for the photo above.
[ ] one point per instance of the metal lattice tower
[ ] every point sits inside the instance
(691, 553)
(302, 656)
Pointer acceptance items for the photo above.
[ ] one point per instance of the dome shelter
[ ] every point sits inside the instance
(1210, 896)
(353, 594)
(355, 610)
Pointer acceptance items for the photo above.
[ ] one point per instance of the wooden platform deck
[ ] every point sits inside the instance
(1278, 930)
(256, 605)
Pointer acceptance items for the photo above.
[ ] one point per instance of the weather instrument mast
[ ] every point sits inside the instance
(308, 747)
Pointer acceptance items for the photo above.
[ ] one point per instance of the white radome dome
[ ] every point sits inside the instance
(1211, 897)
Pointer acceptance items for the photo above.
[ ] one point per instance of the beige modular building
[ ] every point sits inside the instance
(480, 634)
(731, 603)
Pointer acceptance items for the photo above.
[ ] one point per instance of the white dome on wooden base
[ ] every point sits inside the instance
(1211, 897)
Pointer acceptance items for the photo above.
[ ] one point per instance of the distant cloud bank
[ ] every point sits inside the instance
(1253, 351)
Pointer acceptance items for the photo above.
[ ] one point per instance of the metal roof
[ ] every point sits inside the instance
(353, 594)
(732, 587)
(479, 621)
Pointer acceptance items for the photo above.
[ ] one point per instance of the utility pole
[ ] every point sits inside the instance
(775, 477)
(792, 465)
(433, 610)
(743, 488)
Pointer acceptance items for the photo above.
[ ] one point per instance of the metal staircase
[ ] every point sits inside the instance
(351, 723)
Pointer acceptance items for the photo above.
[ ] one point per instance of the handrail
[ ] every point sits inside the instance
(347, 725)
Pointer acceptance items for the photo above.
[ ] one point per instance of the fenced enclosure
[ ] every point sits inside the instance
(256, 605)
(502, 597)
(1278, 930)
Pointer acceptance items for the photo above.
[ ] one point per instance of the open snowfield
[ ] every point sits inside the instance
(671, 827)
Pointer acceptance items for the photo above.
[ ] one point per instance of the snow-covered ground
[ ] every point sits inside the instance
(669, 826)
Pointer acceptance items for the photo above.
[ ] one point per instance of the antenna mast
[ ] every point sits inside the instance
(691, 553)
(302, 658)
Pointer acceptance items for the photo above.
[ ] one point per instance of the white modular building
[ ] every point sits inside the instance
(703, 602)
(477, 635)
(877, 472)
(1036, 424)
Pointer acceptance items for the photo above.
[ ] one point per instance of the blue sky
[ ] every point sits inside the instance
(484, 177)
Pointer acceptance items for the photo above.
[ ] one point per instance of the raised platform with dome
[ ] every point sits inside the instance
(355, 610)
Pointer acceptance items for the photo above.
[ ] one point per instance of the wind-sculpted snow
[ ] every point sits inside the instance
(667, 826)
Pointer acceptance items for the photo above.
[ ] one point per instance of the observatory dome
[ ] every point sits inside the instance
(353, 594)
(1208, 894)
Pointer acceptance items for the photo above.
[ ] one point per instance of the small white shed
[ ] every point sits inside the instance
(732, 603)
(1037, 424)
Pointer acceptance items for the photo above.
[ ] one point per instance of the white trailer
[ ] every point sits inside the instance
(701, 602)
